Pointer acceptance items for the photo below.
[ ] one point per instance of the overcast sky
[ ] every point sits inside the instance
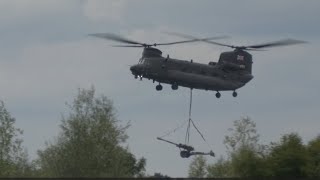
(46, 55)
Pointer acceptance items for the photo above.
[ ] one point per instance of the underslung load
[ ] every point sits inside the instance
(186, 150)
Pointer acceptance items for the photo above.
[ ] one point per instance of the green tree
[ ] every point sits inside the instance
(90, 143)
(220, 169)
(159, 175)
(288, 157)
(243, 133)
(246, 162)
(313, 152)
(245, 154)
(197, 168)
(13, 158)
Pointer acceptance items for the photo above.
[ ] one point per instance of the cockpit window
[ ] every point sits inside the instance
(141, 61)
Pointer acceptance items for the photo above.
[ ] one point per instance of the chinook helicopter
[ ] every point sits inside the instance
(232, 71)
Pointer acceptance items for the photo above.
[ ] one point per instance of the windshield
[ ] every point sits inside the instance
(141, 60)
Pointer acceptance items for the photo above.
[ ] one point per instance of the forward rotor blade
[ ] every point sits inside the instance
(207, 40)
(284, 42)
(127, 46)
(192, 40)
(118, 38)
(114, 37)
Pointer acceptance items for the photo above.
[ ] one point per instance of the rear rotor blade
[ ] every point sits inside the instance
(219, 44)
(192, 40)
(284, 42)
(200, 39)
(252, 49)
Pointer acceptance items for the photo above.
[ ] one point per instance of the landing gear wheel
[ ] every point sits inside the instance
(218, 95)
(159, 87)
(174, 86)
(234, 94)
(136, 76)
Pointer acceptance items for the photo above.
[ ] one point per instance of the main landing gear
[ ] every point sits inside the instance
(174, 86)
(234, 94)
(159, 87)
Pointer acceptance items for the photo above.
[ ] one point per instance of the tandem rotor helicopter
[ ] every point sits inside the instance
(232, 71)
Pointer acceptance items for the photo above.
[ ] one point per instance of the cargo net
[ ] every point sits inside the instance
(187, 150)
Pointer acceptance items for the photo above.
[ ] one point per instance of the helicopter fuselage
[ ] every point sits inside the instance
(213, 76)
(232, 71)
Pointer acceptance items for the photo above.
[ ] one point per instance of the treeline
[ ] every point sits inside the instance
(246, 157)
(90, 144)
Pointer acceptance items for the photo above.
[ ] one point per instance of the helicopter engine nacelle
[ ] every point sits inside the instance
(229, 65)
(236, 60)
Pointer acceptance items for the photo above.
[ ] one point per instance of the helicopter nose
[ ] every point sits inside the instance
(135, 69)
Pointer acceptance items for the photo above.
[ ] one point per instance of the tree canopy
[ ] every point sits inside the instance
(313, 159)
(13, 157)
(90, 143)
(246, 157)
(197, 168)
(288, 157)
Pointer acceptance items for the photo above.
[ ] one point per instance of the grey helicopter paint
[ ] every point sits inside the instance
(213, 76)
(232, 71)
